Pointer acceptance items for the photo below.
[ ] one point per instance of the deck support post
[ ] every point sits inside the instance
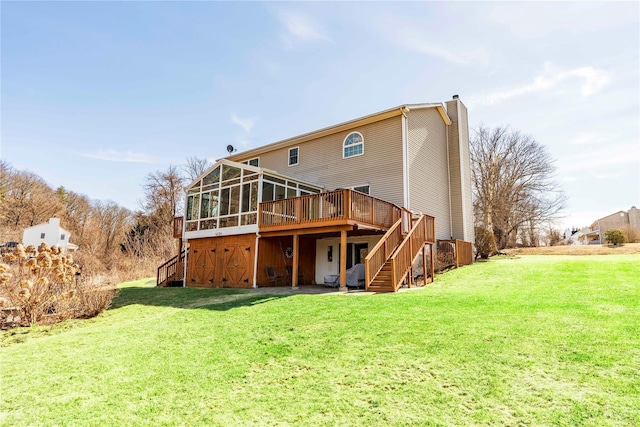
(433, 278)
(343, 260)
(294, 268)
(424, 263)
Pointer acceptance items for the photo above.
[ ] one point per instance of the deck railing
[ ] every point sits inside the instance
(178, 223)
(172, 270)
(404, 241)
(381, 252)
(409, 249)
(329, 208)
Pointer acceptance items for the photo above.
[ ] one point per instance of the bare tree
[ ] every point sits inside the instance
(27, 199)
(163, 201)
(195, 167)
(163, 194)
(513, 187)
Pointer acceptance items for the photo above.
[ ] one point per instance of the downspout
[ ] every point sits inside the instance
(186, 254)
(255, 259)
(255, 263)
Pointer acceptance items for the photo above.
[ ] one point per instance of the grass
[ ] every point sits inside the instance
(551, 340)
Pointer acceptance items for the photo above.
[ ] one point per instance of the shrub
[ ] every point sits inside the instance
(614, 236)
(42, 287)
(485, 243)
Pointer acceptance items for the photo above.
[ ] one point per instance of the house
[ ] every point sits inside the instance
(49, 232)
(378, 190)
(619, 220)
(576, 237)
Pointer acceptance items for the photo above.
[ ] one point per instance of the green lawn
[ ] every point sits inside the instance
(538, 340)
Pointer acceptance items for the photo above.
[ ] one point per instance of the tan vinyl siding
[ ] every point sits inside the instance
(321, 162)
(460, 178)
(428, 172)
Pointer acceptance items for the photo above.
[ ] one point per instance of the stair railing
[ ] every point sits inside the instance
(409, 249)
(380, 253)
(171, 269)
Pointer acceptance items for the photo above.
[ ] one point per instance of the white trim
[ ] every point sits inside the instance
(297, 156)
(405, 160)
(225, 231)
(186, 260)
(352, 145)
(246, 162)
(255, 262)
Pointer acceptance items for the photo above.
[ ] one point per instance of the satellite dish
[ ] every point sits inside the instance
(230, 148)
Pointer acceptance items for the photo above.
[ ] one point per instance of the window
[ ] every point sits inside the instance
(353, 145)
(253, 162)
(362, 188)
(42, 235)
(62, 236)
(293, 156)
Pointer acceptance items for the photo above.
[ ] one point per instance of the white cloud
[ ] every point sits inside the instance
(531, 20)
(246, 124)
(593, 80)
(301, 28)
(416, 38)
(606, 175)
(609, 156)
(416, 42)
(125, 157)
(584, 139)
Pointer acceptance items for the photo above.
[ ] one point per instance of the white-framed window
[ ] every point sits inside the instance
(62, 236)
(253, 162)
(353, 145)
(362, 188)
(42, 235)
(294, 156)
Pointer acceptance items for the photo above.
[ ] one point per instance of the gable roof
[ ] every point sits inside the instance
(361, 121)
(45, 224)
(256, 169)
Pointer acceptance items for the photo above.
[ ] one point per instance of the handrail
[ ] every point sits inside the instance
(170, 268)
(402, 259)
(374, 261)
(329, 207)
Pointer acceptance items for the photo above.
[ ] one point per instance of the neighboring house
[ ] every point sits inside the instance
(618, 220)
(51, 233)
(384, 186)
(576, 237)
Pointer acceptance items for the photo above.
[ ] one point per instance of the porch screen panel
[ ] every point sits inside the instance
(234, 200)
(224, 201)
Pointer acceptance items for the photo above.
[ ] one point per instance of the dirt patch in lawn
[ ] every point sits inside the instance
(626, 249)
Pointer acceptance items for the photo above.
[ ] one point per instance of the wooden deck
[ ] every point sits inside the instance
(336, 208)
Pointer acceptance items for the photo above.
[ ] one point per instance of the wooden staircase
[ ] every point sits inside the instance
(382, 281)
(390, 262)
(171, 273)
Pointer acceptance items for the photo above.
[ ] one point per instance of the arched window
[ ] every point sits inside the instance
(353, 145)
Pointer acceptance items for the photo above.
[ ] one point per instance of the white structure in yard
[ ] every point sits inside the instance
(51, 233)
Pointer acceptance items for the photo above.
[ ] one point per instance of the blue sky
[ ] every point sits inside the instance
(95, 95)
